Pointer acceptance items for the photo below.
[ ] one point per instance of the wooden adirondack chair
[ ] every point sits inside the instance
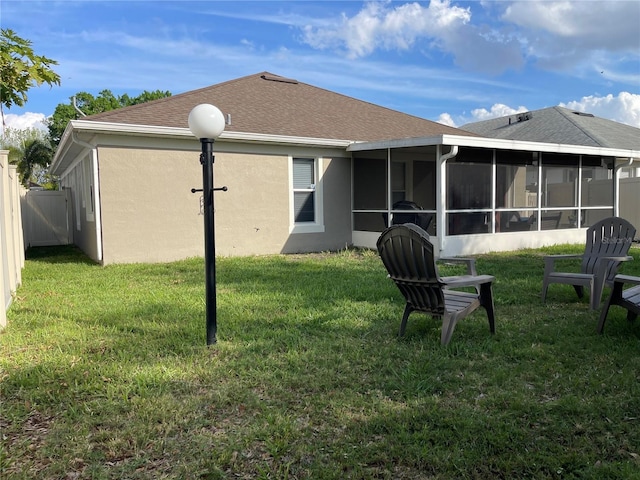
(608, 243)
(628, 299)
(408, 256)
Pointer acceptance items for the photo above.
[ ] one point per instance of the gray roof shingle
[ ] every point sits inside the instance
(559, 125)
(269, 104)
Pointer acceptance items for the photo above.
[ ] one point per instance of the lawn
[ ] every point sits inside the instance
(105, 375)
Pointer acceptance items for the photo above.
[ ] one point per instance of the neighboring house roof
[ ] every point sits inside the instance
(559, 125)
(268, 104)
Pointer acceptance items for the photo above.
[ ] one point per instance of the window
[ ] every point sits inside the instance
(398, 187)
(469, 190)
(307, 196)
(516, 192)
(87, 199)
(304, 185)
(383, 178)
(559, 180)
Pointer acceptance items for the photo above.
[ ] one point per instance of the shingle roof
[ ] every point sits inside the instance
(559, 125)
(265, 103)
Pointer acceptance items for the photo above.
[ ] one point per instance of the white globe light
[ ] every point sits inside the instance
(206, 121)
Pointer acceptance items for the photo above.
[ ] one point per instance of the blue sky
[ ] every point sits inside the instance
(443, 60)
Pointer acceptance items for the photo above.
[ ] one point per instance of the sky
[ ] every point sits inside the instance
(444, 60)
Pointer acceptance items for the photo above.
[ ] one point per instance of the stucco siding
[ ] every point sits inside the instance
(337, 212)
(82, 226)
(150, 215)
(148, 211)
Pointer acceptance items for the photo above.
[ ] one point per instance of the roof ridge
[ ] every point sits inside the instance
(565, 113)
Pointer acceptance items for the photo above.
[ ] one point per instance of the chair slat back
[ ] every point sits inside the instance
(609, 237)
(408, 256)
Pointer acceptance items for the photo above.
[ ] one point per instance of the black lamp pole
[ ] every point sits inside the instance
(206, 159)
(206, 122)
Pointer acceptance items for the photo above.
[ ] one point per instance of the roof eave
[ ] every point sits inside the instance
(487, 142)
(92, 127)
(160, 131)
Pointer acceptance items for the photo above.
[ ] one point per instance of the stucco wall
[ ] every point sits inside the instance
(82, 226)
(150, 215)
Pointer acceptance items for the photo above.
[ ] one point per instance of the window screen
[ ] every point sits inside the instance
(303, 190)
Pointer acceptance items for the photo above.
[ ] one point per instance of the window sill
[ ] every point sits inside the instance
(307, 228)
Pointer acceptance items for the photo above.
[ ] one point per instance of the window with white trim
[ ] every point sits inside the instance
(306, 202)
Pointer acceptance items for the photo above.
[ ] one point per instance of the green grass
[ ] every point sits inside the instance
(105, 375)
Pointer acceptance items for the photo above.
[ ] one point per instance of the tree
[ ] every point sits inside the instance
(21, 69)
(31, 151)
(90, 105)
(36, 153)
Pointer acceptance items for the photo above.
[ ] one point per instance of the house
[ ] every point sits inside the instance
(311, 170)
(569, 127)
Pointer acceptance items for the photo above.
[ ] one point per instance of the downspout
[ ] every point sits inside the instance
(97, 208)
(616, 185)
(441, 187)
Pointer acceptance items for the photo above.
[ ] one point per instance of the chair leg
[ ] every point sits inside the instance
(603, 316)
(579, 290)
(486, 300)
(403, 325)
(614, 299)
(594, 299)
(545, 286)
(597, 287)
(448, 324)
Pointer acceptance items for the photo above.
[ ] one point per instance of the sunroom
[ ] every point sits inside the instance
(475, 195)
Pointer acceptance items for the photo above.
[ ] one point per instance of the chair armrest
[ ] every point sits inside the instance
(566, 256)
(467, 280)
(549, 260)
(470, 262)
(602, 263)
(615, 258)
(627, 279)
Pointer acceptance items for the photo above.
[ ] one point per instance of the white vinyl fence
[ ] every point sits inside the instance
(47, 218)
(11, 235)
(630, 202)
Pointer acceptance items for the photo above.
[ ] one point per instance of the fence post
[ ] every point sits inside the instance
(11, 235)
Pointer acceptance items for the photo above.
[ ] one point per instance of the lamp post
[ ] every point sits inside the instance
(206, 122)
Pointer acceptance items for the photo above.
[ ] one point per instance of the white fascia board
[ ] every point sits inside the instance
(63, 146)
(150, 130)
(501, 144)
(396, 143)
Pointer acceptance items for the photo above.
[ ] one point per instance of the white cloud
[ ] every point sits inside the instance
(561, 35)
(387, 26)
(446, 119)
(480, 114)
(625, 108)
(497, 110)
(25, 121)
(609, 25)
(557, 35)
(440, 26)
